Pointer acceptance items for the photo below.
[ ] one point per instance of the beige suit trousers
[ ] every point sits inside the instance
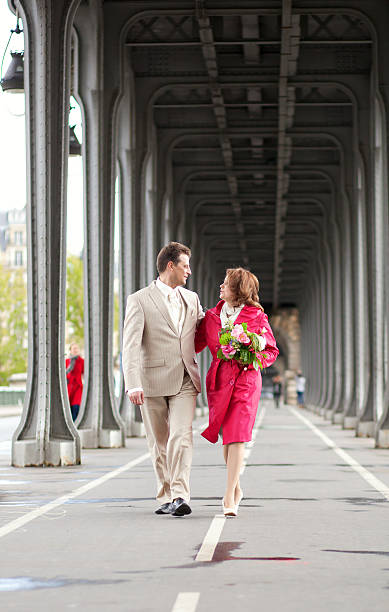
(168, 424)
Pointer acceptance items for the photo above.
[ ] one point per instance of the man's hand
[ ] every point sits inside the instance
(137, 397)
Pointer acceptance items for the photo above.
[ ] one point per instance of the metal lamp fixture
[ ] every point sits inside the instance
(13, 81)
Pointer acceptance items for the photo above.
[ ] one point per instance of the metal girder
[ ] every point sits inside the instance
(290, 38)
(209, 54)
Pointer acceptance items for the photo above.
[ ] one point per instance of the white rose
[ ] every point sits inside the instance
(262, 343)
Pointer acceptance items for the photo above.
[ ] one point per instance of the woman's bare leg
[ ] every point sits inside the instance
(235, 454)
(225, 452)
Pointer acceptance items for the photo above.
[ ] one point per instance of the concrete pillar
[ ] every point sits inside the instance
(330, 340)
(366, 420)
(349, 416)
(381, 251)
(361, 303)
(380, 223)
(374, 407)
(99, 423)
(46, 435)
(351, 297)
(325, 357)
(336, 314)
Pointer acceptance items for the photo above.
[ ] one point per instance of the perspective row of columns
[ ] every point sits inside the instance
(344, 313)
(112, 146)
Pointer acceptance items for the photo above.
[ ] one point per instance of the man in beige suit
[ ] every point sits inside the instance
(161, 373)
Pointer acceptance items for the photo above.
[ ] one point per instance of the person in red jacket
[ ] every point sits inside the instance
(234, 391)
(74, 374)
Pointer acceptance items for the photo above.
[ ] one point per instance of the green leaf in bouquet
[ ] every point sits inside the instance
(256, 366)
(256, 343)
(220, 354)
(244, 325)
(225, 338)
(244, 355)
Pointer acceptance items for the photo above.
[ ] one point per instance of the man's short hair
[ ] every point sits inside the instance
(171, 252)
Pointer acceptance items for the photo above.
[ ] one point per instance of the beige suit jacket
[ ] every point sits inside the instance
(154, 353)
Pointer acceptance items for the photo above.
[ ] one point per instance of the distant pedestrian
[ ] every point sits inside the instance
(300, 388)
(277, 390)
(74, 374)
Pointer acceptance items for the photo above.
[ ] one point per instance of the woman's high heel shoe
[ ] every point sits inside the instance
(237, 503)
(228, 511)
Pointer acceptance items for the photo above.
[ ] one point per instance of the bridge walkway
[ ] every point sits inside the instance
(311, 534)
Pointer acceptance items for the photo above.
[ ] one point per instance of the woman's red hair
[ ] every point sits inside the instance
(244, 286)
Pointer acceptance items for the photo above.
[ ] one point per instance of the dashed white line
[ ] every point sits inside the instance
(377, 484)
(211, 539)
(186, 602)
(30, 516)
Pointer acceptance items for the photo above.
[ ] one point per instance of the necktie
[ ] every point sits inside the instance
(173, 298)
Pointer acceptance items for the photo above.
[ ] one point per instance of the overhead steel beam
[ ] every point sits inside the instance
(258, 43)
(209, 55)
(290, 39)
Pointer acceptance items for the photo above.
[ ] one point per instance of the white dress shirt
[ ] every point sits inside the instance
(174, 303)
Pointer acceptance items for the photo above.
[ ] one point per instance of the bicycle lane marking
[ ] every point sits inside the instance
(33, 514)
(30, 516)
(373, 481)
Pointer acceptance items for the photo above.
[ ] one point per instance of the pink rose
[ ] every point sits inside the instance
(244, 339)
(228, 351)
(237, 331)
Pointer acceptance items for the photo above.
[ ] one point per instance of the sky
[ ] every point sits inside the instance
(13, 146)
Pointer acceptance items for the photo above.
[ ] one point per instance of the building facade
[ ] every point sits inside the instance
(13, 239)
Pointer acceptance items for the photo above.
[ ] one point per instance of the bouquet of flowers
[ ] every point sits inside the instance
(244, 346)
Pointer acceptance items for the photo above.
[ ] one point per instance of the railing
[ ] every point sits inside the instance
(9, 396)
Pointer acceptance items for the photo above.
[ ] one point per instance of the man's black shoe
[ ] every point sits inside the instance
(179, 507)
(164, 509)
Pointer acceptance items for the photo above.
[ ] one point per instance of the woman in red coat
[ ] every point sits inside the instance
(233, 391)
(74, 373)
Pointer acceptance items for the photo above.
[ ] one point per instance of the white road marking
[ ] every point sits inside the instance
(211, 539)
(377, 484)
(30, 516)
(186, 602)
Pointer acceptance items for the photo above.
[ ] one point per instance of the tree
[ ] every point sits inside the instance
(75, 299)
(75, 304)
(13, 324)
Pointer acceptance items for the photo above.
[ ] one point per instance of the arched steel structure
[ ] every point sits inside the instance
(254, 131)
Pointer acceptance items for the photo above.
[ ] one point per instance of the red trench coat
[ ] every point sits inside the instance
(233, 393)
(74, 381)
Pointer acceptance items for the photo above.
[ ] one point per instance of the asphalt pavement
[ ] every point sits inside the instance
(311, 534)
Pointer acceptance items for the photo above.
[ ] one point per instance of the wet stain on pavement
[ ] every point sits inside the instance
(27, 583)
(223, 552)
(362, 501)
(224, 549)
